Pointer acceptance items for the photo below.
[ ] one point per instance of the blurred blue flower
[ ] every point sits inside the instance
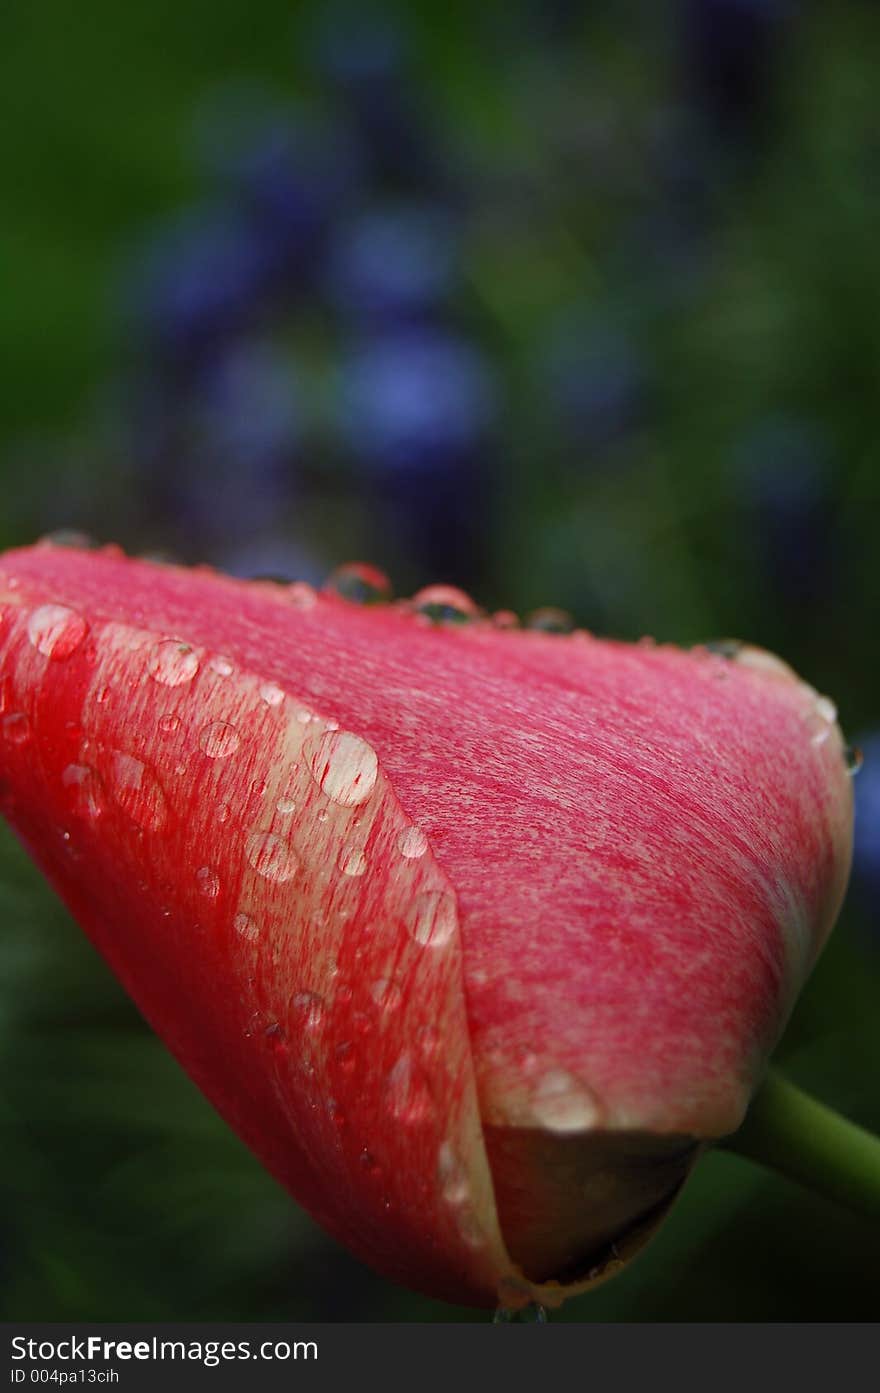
(417, 398)
(198, 281)
(393, 263)
(866, 848)
(782, 471)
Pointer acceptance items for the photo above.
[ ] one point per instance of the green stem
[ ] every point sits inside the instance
(788, 1131)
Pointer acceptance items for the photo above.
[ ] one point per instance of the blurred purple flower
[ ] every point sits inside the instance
(197, 282)
(415, 399)
(393, 264)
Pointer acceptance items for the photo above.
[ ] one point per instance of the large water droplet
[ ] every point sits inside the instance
(219, 739)
(172, 663)
(561, 1103)
(432, 919)
(85, 791)
(412, 843)
(444, 604)
(343, 766)
(270, 856)
(137, 792)
(360, 584)
(56, 631)
(550, 620)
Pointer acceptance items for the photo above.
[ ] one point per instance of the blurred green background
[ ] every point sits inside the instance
(570, 304)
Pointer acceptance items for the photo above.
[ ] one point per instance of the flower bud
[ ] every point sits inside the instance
(474, 934)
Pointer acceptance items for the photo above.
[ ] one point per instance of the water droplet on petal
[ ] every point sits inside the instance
(352, 861)
(208, 882)
(406, 1092)
(360, 584)
(169, 724)
(271, 694)
(137, 792)
(219, 740)
(433, 919)
(246, 927)
(16, 728)
(68, 537)
(445, 604)
(285, 806)
(724, 647)
(222, 666)
(550, 620)
(452, 1177)
(56, 631)
(302, 595)
(346, 1056)
(85, 792)
(172, 663)
(412, 842)
(270, 856)
(561, 1103)
(309, 1006)
(343, 766)
(854, 759)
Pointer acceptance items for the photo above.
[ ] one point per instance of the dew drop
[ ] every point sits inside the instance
(271, 694)
(406, 1092)
(412, 843)
(445, 604)
(433, 919)
(386, 993)
(309, 1007)
(70, 538)
(271, 857)
(343, 766)
(301, 595)
(137, 792)
(346, 1056)
(208, 882)
(246, 927)
(56, 631)
(360, 584)
(854, 759)
(451, 1176)
(550, 620)
(285, 806)
(222, 666)
(219, 740)
(16, 728)
(561, 1103)
(352, 861)
(169, 724)
(85, 791)
(172, 663)
(724, 647)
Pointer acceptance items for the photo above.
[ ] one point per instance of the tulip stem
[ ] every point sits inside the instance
(790, 1132)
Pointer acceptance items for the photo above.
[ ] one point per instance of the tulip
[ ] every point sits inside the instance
(476, 935)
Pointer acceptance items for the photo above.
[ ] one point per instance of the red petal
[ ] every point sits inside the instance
(646, 849)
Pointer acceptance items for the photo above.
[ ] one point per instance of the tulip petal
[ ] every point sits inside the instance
(642, 851)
